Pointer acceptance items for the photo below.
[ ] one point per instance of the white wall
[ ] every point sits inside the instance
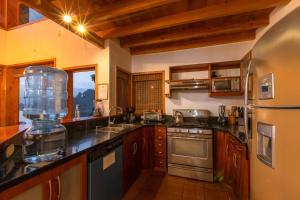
(162, 61)
(3, 41)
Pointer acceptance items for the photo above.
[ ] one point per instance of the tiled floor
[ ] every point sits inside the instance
(153, 185)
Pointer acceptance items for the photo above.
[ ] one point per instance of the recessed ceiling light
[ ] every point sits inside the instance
(67, 18)
(81, 28)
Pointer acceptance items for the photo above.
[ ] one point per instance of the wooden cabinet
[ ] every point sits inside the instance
(232, 164)
(132, 158)
(220, 155)
(67, 181)
(148, 147)
(160, 148)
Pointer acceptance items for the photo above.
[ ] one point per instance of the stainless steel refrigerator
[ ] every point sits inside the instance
(273, 100)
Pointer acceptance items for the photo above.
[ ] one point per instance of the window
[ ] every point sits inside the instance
(148, 92)
(81, 90)
(84, 92)
(27, 15)
(12, 93)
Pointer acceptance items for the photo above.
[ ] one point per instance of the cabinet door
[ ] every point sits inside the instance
(148, 148)
(230, 175)
(69, 180)
(128, 161)
(37, 192)
(220, 154)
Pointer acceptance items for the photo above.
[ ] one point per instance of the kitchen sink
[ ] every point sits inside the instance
(110, 129)
(114, 128)
(125, 126)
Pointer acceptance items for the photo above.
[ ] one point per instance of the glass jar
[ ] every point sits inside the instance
(45, 104)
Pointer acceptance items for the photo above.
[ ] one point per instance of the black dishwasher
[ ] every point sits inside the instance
(105, 172)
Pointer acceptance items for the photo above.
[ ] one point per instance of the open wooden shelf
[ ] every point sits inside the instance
(175, 71)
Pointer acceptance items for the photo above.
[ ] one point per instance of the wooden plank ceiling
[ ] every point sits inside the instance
(149, 26)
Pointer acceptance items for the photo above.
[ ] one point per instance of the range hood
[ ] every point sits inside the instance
(189, 84)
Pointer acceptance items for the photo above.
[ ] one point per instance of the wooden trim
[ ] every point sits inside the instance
(70, 71)
(81, 68)
(53, 60)
(148, 72)
(27, 24)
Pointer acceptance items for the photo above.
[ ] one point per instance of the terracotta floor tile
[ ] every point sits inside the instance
(153, 185)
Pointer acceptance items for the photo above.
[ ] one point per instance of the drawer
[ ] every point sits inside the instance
(160, 162)
(160, 144)
(160, 135)
(160, 152)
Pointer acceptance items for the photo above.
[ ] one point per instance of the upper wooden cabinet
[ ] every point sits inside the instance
(67, 181)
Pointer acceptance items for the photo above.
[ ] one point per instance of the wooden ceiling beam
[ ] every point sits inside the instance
(121, 8)
(50, 11)
(195, 43)
(201, 14)
(202, 31)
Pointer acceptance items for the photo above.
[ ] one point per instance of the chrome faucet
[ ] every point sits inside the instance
(111, 108)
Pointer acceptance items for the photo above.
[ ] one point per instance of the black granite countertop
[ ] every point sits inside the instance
(82, 141)
(78, 143)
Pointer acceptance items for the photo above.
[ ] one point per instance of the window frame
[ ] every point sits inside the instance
(70, 71)
(163, 86)
(14, 95)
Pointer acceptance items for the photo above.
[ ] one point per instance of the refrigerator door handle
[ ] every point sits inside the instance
(246, 107)
(246, 89)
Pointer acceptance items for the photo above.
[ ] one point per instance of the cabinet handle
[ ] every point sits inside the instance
(234, 160)
(50, 190)
(226, 149)
(135, 148)
(58, 183)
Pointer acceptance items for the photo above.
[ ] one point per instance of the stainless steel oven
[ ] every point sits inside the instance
(190, 153)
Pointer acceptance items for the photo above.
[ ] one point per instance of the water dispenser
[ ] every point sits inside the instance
(45, 104)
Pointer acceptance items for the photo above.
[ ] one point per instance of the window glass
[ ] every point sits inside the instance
(34, 15)
(84, 92)
(27, 15)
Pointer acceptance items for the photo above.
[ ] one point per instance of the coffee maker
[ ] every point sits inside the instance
(130, 114)
(222, 118)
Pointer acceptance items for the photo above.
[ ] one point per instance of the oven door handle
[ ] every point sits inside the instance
(192, 138)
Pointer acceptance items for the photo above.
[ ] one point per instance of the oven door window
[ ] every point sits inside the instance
(190, 147)
(190, 151)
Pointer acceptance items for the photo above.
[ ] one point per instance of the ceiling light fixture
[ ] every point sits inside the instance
(67, 18)
(81, 28)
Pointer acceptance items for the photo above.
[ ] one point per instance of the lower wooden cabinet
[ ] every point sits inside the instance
(232, 164)
(67, 181)
(160, 148)
(132, 158)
